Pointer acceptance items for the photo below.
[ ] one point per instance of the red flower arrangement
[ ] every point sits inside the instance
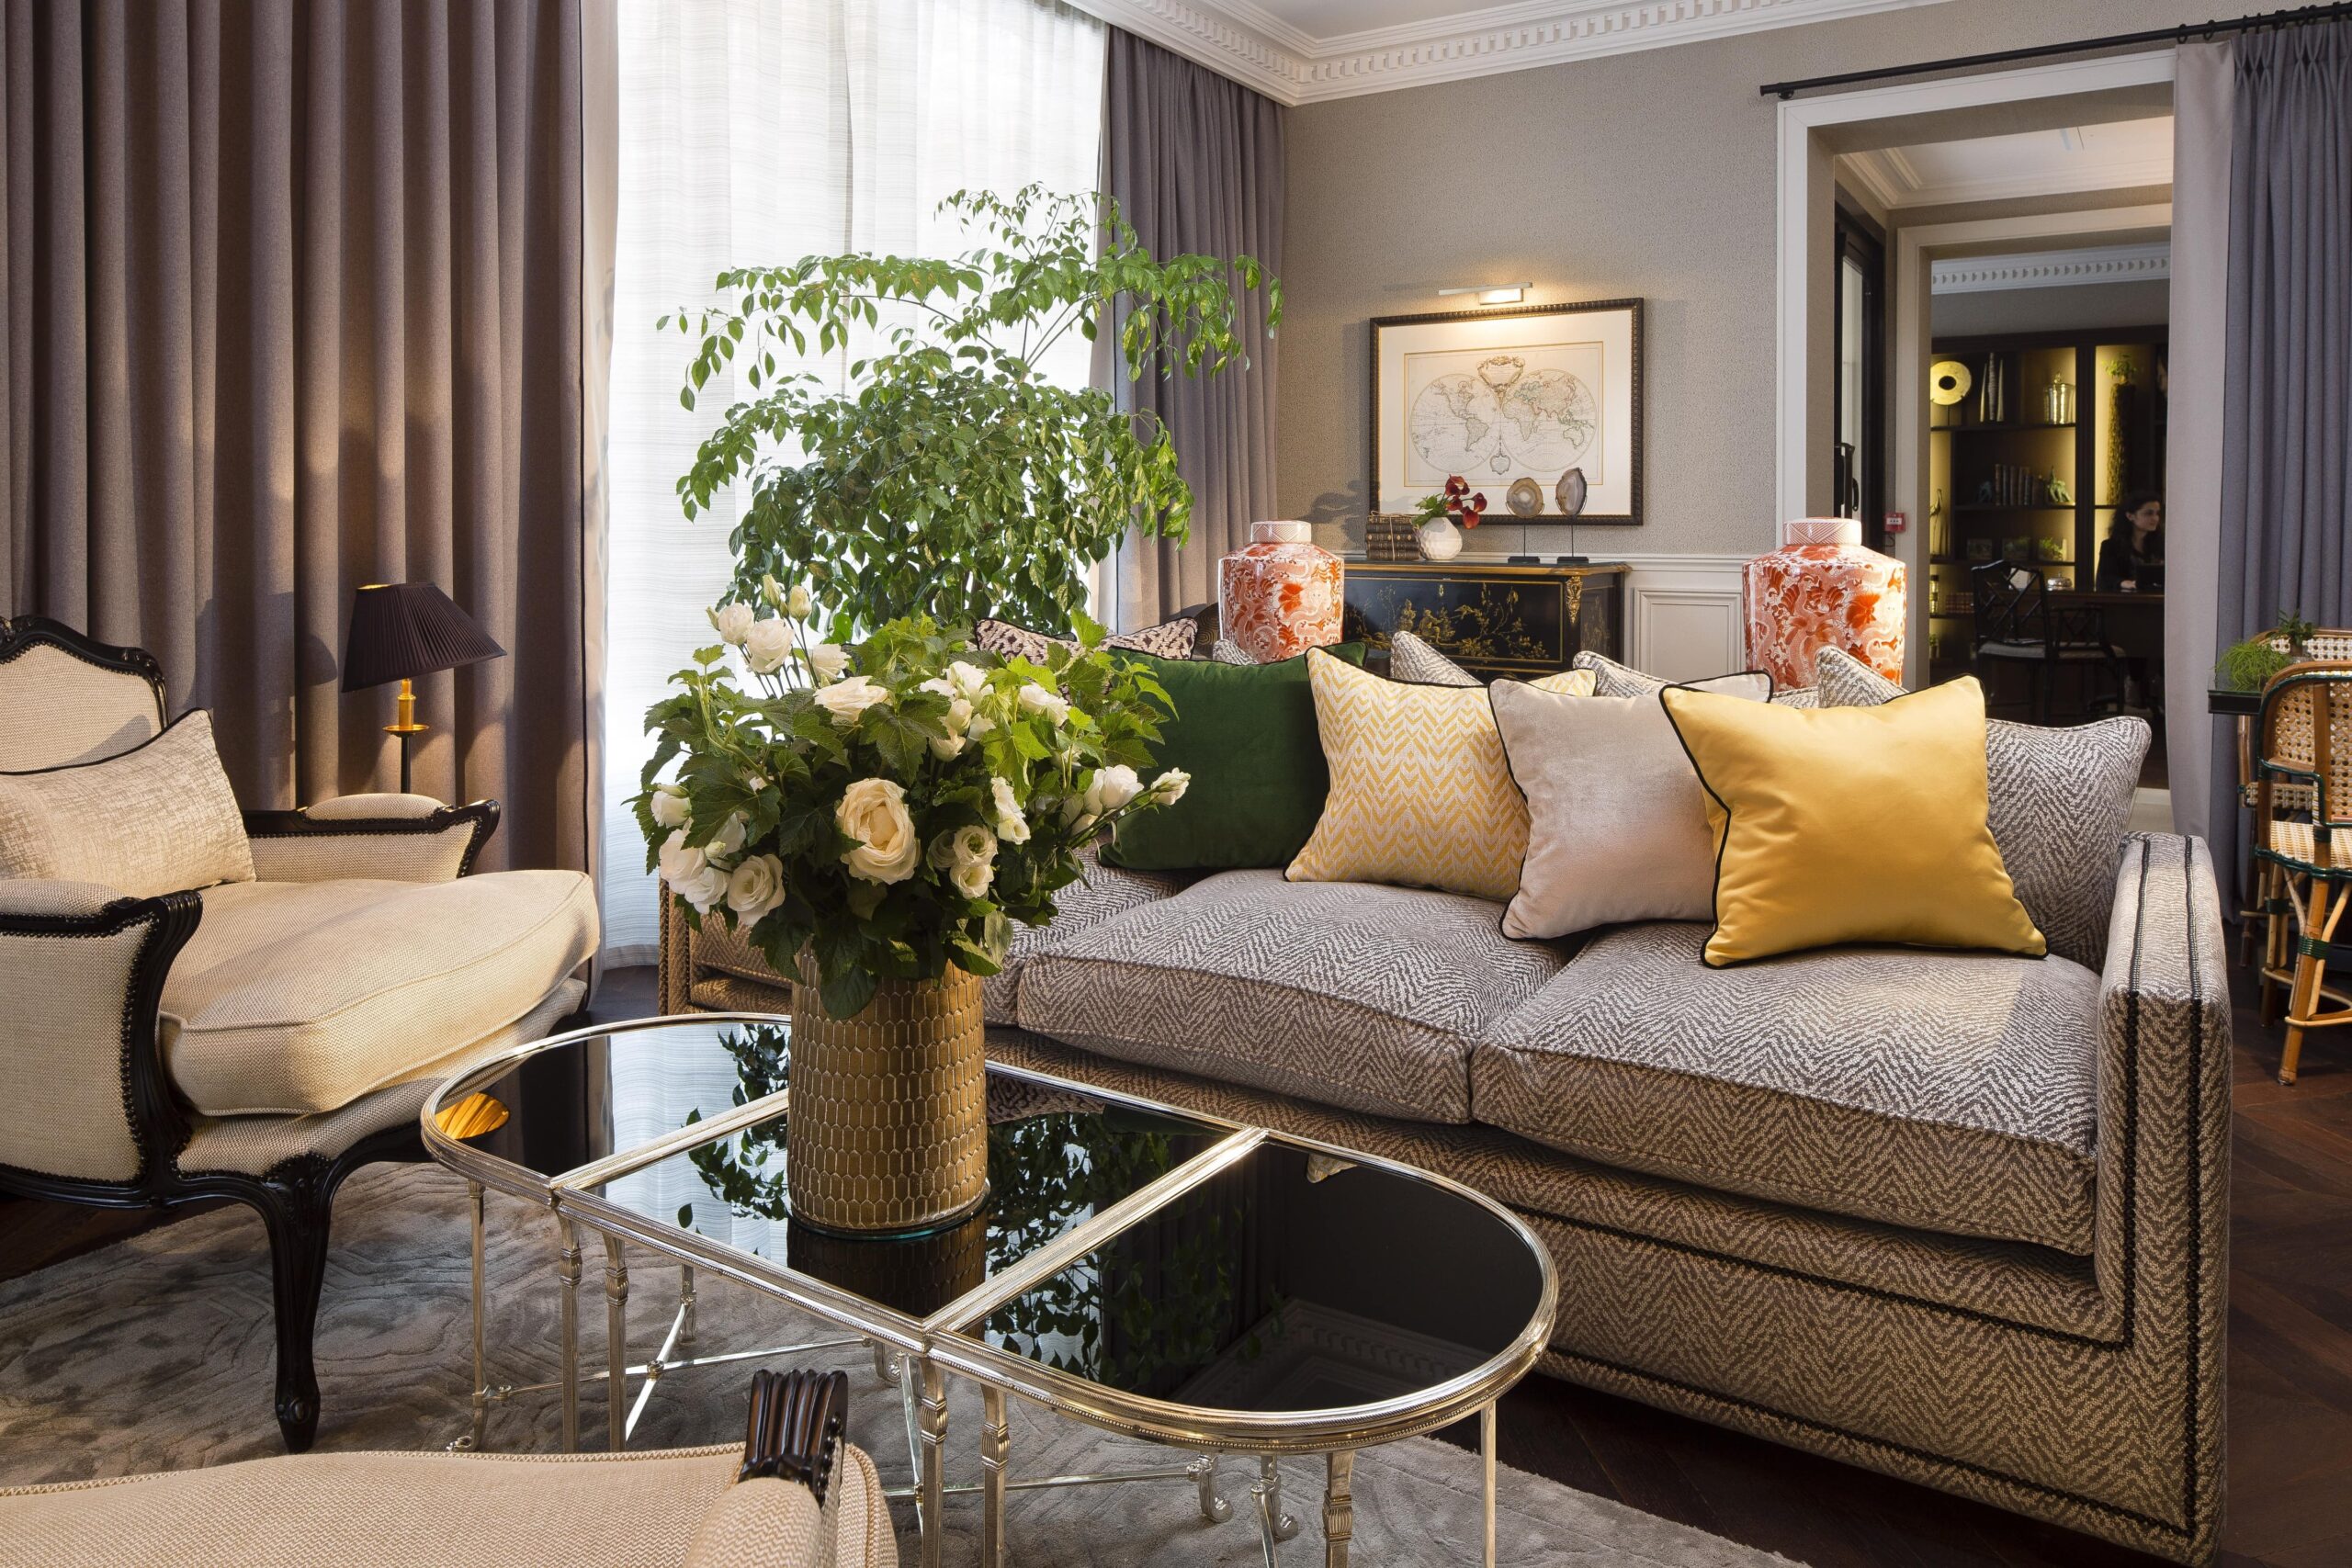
(1455, 502)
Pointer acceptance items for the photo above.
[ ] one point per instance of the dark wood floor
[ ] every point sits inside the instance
(2289, 1372)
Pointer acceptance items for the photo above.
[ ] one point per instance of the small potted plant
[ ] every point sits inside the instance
(1442, 517)
(874, 817)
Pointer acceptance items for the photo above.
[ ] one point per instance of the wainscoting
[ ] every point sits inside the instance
(1683, 615)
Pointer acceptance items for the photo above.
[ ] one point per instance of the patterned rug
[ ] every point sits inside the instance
(156, 1354)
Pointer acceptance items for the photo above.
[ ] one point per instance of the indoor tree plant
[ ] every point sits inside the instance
(949, 479)
(873, 817)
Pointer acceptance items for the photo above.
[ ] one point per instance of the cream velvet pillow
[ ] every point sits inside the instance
(157, 818)
(1420, 795)
(1617, 826)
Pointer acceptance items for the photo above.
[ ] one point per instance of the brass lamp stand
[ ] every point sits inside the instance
(403, 630)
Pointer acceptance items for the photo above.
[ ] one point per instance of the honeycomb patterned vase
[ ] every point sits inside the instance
(1822, 589)
(886, 1129)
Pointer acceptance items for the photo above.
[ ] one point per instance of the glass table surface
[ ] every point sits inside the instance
(1290, 1281)
(1056, 1159)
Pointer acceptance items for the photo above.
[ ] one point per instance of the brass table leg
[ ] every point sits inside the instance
(1486, 1476)
(1273, 1525)
(685, 1306)
(569, 1299)
(1213, 1506)
(1339, 1512)
(616, 1343)
(473, 1438)
(933, 1396)
(996, 1443)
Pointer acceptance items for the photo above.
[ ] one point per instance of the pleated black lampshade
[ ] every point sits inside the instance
(402, 630)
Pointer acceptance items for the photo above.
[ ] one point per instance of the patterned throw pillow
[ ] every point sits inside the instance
(157, 818)
(1410, 659)
(1420, 795)
(1229, 651)
(1612, 678)
(2061, 800)
(1170, 639)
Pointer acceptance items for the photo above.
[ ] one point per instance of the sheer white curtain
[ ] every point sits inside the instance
(758, 131)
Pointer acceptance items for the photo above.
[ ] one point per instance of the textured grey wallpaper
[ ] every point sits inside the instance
(1649, 174)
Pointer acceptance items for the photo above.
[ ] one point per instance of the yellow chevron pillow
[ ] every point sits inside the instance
(1420, 792)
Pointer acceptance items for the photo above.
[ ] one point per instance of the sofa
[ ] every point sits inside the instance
(1960, 1217)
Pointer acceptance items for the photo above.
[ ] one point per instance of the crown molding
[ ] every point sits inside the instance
(1240, 39)
(2149, 263)
(1894, 183)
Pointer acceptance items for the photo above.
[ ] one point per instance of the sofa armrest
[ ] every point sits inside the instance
(89, 1110)
(2164, 1104)
(395, 838)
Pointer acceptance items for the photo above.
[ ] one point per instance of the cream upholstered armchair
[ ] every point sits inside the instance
(257, 1032)
(713, 1507)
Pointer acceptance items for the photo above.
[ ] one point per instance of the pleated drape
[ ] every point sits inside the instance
(294, 304)
(1195, 162)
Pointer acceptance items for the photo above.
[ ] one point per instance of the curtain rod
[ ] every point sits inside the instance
(2178, 35)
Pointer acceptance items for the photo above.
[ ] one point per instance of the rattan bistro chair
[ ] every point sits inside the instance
(258, 1039)
(2326, 643)
(2017, 623)
(2303, 856)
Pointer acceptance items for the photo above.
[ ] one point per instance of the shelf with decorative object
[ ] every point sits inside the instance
(1492, 618)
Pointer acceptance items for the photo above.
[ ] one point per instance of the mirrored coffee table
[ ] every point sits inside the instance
(1212, 1287)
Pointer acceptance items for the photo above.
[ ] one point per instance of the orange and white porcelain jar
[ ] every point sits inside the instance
(1279, 595)
(1823, 588)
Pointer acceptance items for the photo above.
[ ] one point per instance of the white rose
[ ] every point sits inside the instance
(969, 845)
(733, 623)
(968, 679)
(1037, 699)
(680, 862)
(828, 660)
(1112, 788)
(948, 748)
(1075, 815)
(846, 700)
(1169, 787)
(756, 887)
(706, 890)
(727, 842)
(1011, 825)
(798, 604)
(972, 881)
(668, 807)
(980, 724)
(768, 645)
(874, 812)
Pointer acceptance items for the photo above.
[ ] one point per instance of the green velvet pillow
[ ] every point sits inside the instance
(1246, 733)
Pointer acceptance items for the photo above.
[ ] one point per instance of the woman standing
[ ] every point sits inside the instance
(2131, 556)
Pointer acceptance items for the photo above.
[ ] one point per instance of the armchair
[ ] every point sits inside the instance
(812, 1502)
(255, 1041)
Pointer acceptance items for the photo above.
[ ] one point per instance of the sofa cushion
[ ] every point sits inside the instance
(1367, 997)
(2058, 803)
(1948, 1092)
(1100, 892)
(295, 997)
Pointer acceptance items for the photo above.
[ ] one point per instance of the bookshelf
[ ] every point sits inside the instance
(2032, 475)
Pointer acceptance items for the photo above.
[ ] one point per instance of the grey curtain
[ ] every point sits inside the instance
(294, 304)
(2286, 423)
(1195, 162)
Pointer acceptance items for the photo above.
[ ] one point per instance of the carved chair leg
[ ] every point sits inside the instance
(297, 1205)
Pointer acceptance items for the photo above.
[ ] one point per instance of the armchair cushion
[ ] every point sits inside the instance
(157, 818)
(299, 998)
(393, 837)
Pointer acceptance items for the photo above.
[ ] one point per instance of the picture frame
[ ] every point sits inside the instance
(1563, 384)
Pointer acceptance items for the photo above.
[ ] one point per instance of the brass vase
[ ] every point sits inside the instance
(886, 1131)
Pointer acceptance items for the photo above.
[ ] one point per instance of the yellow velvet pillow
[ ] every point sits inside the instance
(1420, 793)
(1845, 825)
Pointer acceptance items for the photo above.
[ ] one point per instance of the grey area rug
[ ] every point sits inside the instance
(156, 1354)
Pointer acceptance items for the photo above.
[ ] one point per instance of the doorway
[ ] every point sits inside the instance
(1858, 422)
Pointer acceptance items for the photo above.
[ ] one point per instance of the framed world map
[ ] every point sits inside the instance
(1498, 396)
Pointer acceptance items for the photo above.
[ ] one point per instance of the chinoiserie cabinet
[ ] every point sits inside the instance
(1492, 619)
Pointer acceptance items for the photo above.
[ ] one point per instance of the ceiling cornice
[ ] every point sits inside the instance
(2149, 263)
(1239, 39)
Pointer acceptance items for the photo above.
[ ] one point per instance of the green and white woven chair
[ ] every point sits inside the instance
(2302, 817)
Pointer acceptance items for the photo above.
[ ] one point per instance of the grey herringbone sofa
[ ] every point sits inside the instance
(1957, 1216)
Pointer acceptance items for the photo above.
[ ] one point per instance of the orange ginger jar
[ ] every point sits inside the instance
(1823, 588)
(1279, 595)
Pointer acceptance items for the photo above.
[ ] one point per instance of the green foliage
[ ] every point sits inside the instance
(950, 480)
(2249, 665)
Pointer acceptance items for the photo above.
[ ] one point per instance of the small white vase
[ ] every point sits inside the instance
(1440, 540)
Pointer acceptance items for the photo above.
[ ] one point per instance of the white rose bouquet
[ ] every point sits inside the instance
(892, 806)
